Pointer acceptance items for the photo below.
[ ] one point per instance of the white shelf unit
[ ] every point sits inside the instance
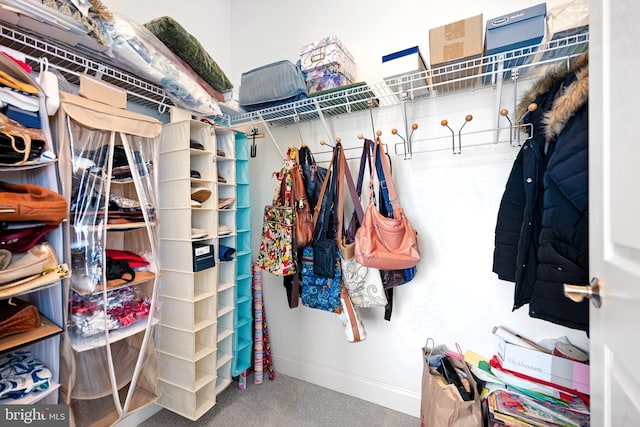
(227, 238)
(43, 342)
(187, 334)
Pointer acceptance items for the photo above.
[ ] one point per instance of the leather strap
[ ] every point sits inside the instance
(340, 191)
(393, 198)
(318, 207)
(355, 194)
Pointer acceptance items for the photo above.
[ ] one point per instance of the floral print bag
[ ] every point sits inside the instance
(276, 254)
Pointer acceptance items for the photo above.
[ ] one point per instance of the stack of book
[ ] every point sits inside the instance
(529, 385)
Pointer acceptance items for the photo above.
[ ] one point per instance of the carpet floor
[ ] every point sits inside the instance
(287, 402)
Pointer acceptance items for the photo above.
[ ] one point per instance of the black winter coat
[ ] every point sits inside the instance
(542, 227)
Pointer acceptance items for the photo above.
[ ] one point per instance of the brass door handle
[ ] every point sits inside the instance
(577, 292)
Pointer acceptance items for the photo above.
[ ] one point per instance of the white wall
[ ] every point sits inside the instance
(451, 200)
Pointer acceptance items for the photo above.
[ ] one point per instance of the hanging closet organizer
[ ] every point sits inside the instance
(107, 160)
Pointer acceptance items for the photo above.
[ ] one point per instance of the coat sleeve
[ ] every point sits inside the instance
(509, 223)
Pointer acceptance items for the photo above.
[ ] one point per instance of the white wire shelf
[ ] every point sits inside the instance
(72, 61)
(524, 63)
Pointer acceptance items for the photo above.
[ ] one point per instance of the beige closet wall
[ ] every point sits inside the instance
(451, 200)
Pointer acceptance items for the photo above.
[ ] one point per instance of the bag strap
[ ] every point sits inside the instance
(283, 194)
(342, 166)
(319, 203)
(306, 156)
(386, 183)
(364, 161)
(354, 191)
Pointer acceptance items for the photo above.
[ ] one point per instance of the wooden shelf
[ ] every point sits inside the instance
(141, 277)
(47, 329)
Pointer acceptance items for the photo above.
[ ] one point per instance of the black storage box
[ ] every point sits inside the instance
(203, 256)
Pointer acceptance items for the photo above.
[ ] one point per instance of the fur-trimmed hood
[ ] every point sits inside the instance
(570, 101)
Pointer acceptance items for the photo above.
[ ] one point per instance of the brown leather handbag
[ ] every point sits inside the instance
(386, 243)
(17, 316)
(304, 219)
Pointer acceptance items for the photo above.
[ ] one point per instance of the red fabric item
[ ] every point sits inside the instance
(133, 259)
(23, 65)
(23, 239)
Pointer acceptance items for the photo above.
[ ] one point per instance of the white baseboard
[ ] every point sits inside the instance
(391, 397)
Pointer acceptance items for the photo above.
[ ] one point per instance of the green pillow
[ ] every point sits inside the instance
(189, 49)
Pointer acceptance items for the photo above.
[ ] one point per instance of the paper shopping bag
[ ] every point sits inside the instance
(440, 407)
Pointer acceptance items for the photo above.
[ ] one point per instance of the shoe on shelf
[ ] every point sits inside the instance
(221, 153)
(195, 204)
(221, 178)
(198, 233)
(223, 230)
(195, 145)
(225, 203)
(200, 194)
(195, 174)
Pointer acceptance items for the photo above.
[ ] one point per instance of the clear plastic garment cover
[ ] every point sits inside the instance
(108, 356)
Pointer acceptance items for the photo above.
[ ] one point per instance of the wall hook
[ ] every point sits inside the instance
(445, 123)
(378, 133)
(254, 147)
(408, 153)
(505, 113)
(323, 142)
(530, 109)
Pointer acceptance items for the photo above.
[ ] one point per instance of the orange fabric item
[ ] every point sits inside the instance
(29, 202)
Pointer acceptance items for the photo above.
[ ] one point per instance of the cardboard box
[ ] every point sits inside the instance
(457, 41)
(406, 61)
(203, 256)
(328, 51)
(101, 91)
(450, 46)
(516, 30)
(543, 366)
(399, 69)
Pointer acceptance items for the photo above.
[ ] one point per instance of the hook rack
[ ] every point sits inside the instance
(445, 123)
(408, 141)
(514, 130)
(515, 138)
(323, 142)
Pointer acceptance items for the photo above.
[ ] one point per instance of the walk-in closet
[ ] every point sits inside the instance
(422, 206)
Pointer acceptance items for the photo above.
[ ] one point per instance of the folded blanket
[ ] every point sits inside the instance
(189, 49)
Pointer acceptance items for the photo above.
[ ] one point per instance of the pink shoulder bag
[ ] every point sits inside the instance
(386, 243)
